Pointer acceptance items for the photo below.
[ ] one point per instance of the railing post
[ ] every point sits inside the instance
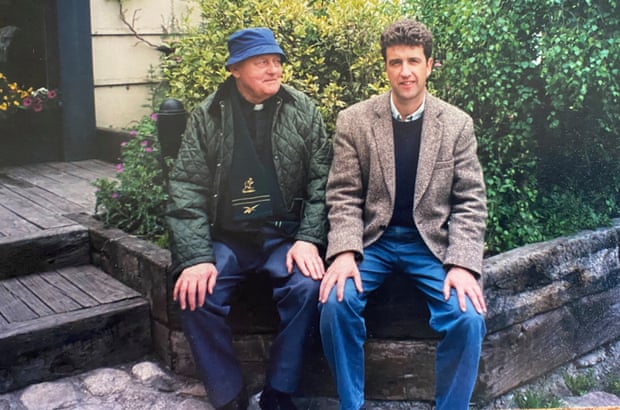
(171, 120)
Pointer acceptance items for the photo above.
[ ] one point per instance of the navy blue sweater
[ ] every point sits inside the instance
(407, 137)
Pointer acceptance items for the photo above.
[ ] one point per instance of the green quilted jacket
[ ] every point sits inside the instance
(301, 153)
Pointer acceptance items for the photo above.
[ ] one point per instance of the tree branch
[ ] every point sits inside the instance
(131, 26)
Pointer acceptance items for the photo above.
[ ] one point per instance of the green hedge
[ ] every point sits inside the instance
(540, 78)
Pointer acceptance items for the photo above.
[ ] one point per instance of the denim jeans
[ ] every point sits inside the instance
(401, 251)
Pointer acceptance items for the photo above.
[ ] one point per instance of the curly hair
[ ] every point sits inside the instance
(407, 32)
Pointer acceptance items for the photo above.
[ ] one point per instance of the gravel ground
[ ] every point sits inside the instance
(145, 385)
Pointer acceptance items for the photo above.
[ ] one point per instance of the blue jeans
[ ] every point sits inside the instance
(343, 330)
(210, 337)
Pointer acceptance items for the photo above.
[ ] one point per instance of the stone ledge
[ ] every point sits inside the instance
(548, 303)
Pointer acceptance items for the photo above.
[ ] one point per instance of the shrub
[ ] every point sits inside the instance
(581, 383)
(334, 56)
(487, 69)
(135, 200)
(540, 79)
(535, 399)
(612, 385)
(564, 208)
(332, 48)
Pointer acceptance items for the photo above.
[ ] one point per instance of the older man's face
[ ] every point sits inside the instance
(259, 77)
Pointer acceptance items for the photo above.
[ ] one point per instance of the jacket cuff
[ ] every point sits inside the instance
(176, 268)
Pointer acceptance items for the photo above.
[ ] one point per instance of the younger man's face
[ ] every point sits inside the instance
(407, 69)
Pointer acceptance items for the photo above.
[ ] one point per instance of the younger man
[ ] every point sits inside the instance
(405, 196)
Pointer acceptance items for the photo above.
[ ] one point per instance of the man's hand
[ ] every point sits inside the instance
(343, 267)
(465, 285)
(306, 256)
(192, 284)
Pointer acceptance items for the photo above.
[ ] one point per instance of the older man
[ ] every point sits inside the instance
(405, 196)
(247, 195)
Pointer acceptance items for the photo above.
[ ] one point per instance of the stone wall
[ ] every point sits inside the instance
(549, 303)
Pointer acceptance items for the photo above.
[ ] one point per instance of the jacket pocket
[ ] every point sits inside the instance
(444, 164)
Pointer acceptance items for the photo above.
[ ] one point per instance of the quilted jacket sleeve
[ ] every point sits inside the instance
(189, 189)
(313, 225)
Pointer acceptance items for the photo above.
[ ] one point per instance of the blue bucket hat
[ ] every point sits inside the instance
(251, 42)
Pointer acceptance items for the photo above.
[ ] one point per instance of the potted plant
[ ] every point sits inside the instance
(29, 123)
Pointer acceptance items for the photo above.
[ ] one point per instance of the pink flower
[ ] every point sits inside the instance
(27, 102)
(148, 149)
(144, 143)
(124, 144)
(133, 133)
(51, 94)
(38, 107)
(115, 195)
(119, 167)
(154, 116)
(437, 64)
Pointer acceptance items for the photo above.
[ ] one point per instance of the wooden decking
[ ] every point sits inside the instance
(36, 197)
(58, 313)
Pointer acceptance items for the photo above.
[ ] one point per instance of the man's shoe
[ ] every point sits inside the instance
(271, 399)
(238, 403)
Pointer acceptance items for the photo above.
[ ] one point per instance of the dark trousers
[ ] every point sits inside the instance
(210, 337)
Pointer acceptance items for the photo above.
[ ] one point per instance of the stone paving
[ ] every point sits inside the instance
(145, 385)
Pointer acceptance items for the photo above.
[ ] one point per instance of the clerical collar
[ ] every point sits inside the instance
(411, 117)
(249, 107)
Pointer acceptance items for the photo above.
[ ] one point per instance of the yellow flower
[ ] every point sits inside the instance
(13, 86)
(3, 107)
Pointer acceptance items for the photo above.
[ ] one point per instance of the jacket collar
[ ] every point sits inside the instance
(225, 89)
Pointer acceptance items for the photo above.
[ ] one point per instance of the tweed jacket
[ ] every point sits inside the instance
(449, 208)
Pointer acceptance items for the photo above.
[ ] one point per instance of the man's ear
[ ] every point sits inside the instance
(234, 70)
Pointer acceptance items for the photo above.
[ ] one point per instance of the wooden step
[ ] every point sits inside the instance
(44, 250)
(68, 320)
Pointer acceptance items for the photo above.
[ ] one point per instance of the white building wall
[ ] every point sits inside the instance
(123, 66)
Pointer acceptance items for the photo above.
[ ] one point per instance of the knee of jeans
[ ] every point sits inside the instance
(349, 303)
(471, 322)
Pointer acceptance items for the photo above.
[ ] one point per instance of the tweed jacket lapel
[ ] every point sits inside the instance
(382, 135)
(429, 147)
